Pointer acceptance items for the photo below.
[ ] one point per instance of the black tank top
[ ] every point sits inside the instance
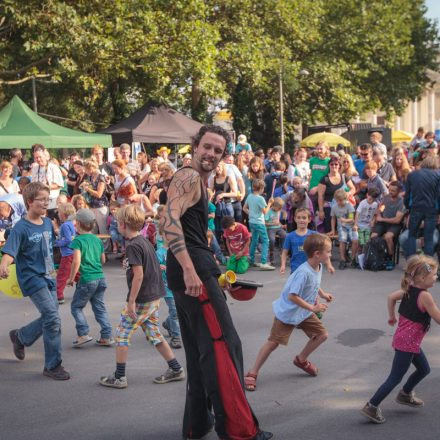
(410, 310)
(194, 225)
(224, 187)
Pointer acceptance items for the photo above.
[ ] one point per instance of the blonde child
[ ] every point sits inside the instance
(255, 207)
(66, 214)
(416, 309)
(146, 288)
(118, 241)
(296, 308)
(274, 227)
(342, 213)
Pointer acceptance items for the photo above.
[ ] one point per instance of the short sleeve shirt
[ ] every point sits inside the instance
(31, 247)
(237, 238)
(272, 219)
(345, 211)
(91, 249)
(140, 252)
(318, 168)
(256, 204)
(392, 207)
(365, 212)
(294, 244)
(304, 282)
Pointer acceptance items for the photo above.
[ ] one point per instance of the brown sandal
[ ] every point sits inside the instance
(250, 382)
(307, 366)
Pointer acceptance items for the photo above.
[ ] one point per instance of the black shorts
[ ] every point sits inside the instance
(380, 228)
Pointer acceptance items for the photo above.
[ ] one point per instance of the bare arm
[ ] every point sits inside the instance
(391, 303)
(184, 191)
(320, 307)
(283, 260)
(99, 190)
(427, 301)
(76, 262)
(7, 260)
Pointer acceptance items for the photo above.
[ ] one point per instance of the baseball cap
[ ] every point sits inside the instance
(242, 139)
(85, 216)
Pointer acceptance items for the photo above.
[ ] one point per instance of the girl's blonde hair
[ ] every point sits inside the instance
(417, 265)
(67, 208)
(278, 203)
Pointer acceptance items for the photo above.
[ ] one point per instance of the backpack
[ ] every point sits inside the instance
(375, 253)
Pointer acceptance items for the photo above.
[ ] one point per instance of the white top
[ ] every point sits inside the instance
(9, 189)
(48, 175)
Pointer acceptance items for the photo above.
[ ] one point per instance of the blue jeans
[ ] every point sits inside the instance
(259, 234)
(429, 217)
(48, 325)
(215, 247)
(403, 239)
(172, 322)
(92, 291)
(401, 363)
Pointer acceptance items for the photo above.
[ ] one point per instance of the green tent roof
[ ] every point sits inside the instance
(20, 127)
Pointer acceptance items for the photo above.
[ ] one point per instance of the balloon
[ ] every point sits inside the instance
(9, 286)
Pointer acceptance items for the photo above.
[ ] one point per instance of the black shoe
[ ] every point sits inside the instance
(57, 373)
(263, 435)
(342, 265)
(17, 345)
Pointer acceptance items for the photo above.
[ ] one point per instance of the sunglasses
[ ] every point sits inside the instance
(334, 164)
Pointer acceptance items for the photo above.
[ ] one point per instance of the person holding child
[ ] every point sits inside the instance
(88, 258)
(296, 308)
(417, 308)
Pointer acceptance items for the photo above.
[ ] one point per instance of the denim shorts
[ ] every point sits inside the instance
(147, 319)
(346, 234)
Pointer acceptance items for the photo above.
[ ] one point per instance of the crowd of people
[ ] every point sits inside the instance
(238, 205)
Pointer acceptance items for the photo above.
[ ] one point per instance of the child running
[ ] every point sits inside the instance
(416, 309)
(66, 214)
(88, 258)
(146, 288)
(256, 207)
(297, 307)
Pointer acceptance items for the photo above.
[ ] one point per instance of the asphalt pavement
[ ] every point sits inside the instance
(352, 363)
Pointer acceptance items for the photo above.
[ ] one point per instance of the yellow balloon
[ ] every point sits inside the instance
(9, 286)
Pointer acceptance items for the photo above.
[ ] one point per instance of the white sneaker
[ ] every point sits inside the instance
(266, 266)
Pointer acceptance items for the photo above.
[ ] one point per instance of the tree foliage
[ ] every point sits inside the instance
(98, 60)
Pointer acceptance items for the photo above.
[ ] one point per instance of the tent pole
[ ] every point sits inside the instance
(34, 94)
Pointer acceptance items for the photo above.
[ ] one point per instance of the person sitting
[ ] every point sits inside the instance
(388, 219)
(384, 169)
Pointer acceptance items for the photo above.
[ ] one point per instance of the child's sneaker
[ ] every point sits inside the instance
(82, 340)
(176, 342)
(373, 413)
(256, 264)
(112, 382)
(57, 373)
(409, 399)
(389, 265)
(105, 342)
(61, 301)
(342, 265)
(266, 266)
(170, 376)
(18, 347)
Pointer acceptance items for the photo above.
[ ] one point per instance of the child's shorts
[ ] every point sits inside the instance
(280, 332)
(346, 234)
(148, 319)
(364, 236)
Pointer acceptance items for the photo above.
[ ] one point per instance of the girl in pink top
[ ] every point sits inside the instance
(416, 309)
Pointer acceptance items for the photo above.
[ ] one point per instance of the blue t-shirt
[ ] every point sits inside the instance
(31, 247)
(67, 234)
(304, 282)
(359, 164)
(256, 204)
(294, 243)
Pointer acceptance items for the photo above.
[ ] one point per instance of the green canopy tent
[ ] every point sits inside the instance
(20, 127)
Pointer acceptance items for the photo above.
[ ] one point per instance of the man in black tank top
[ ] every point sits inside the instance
(190, 268)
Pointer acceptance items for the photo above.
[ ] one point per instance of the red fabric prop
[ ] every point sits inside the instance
(240, 424)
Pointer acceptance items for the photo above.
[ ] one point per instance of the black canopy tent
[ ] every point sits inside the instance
(154, 124)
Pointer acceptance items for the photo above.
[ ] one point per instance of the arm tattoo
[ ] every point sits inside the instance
(184, 186)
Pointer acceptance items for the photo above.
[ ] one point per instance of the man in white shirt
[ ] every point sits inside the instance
(48, 173)
(233, 172)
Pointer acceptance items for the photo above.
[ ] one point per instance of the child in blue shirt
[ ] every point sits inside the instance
(30, 246)
(66, 213)
(256, 207)
(297, 307)
(274, 226)
(112, 224)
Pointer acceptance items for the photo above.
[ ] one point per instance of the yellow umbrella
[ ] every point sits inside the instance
(332, 140)
(401, 136)
(185, 149)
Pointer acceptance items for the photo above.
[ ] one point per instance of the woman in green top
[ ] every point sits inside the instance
(318, 166)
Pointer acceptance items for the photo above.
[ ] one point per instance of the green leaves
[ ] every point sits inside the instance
(104, 58)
